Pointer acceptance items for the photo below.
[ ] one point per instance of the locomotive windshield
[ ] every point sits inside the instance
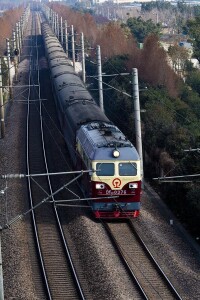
(105, 169)
(127, 169)
(111, 169)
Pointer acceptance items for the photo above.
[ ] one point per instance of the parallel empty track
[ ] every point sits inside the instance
(142, 267)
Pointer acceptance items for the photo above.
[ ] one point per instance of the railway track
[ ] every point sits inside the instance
(59, 274)
(148, 285)
(142, 267)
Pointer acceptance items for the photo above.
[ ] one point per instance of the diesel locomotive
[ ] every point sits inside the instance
(94, 143)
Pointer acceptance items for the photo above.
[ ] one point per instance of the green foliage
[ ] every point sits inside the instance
(196, 11)
(193, 197)
(191, 97)
(193, 26)
(81, 7)
(117, 104)
(141, 29)
(193, 208)
(157, 119)
(179, 56)
(182, 7)
(116, 64)
(193, 80)
(170, 124)
(160, 5)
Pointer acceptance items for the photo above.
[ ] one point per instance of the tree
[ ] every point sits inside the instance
(154, 67)
(193, 80)
(7, 22)
(194, 31)
(179, 56)
(141, 29)
(113, 40)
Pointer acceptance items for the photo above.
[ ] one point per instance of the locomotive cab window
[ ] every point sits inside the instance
(127, 169)
(105, 169)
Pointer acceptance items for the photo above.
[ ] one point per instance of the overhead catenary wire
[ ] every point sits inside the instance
(160, 100)
(19, 217)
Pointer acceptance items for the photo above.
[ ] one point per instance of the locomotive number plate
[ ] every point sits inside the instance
(117, 192)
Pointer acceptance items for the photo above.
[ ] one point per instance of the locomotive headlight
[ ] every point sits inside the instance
(100, 186)
(133, 185)
(116, 153)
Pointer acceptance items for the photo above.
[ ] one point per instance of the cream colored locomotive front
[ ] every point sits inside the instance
(116, 174)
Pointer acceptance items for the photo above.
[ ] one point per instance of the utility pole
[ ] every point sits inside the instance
(58, 27)
(54, 22)
(2, 105)
(73, 46)
(15, 56)
(66, 39)
(9, 68)
(17, 41)
(137, 116)
(100, 82)
(83, 56)
(61, 31)
(20, 37)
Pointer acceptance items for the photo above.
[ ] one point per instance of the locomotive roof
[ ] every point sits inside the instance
(99, 139)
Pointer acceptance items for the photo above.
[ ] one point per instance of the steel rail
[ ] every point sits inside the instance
(161, 273)
(125, 262)
(67, 251)
(174, 291)
(29, 179)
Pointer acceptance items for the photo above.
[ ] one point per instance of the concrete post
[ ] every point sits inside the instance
(15, 56)
(83, 56)
(9, 68)
(100, 82)
(61, 31)
(73, 45)
(66, 38)
(17, 41)
(20, 36)
(137, 117)
(1, 105)
(58, 27)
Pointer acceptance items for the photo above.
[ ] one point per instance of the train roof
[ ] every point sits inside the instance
(99, 139)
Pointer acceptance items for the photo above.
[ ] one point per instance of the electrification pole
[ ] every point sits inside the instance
(9, 68)
(73, 46)
(17, 41)
(66, 39)
(83, 56)
(15, 56)
(2, 105)
(61, 31)
(137, 116)
(100, 82)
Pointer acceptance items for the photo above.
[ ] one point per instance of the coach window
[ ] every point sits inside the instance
(105, 169)
(127, 169)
